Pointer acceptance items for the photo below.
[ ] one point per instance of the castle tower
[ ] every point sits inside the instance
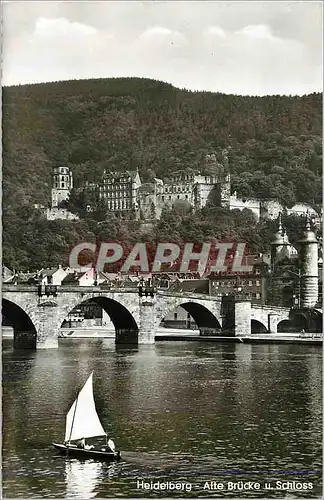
(309, 267)
(62, 184)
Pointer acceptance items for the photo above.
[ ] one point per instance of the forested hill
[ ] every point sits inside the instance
(90, 125)
(274, 146)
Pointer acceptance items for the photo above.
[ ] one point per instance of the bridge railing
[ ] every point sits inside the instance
(19, 288)
(105, 289)
(272, 307)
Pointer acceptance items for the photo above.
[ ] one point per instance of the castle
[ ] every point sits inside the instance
(127, 197)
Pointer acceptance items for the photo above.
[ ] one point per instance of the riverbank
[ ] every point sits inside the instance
(251, 339)
(178, 334)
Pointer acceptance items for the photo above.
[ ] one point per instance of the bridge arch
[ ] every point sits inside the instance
(25, 331)
(307, 320)
(285, 326)
(204, 317)
(123, 319)
(258, 326)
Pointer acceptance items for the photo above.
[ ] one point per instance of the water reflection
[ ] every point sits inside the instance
(82, 478)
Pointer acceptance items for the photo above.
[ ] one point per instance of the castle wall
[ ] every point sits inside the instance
(240, 204)
(60, 213)
(168, 198)
(202, 193)
(59, 195)
(302, 209)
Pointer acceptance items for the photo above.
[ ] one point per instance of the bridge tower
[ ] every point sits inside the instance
(62, 184)
(309, 267)
(278, 245)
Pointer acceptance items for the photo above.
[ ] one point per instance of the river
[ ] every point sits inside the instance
(180, 412)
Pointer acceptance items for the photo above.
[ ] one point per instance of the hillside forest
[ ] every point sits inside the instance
(274, 146)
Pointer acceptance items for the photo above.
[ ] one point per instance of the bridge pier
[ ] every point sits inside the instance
(272, 323)
(49, 341)
(242, 310)
(147, 329)
(48, 322)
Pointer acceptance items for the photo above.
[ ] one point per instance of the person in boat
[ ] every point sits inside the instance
(82, 444)
(111, 445)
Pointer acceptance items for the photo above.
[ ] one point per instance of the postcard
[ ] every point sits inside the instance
(162, 250)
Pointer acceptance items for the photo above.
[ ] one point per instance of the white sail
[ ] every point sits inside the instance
(82, 420)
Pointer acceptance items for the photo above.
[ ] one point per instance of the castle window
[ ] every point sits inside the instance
(178, 196)
(250, 283)
(257, 283)
(258, 295)
(62, 184)
(169, 197)
(186, 196)
(162, 198)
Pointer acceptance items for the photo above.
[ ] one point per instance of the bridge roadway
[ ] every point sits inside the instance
(135, 318)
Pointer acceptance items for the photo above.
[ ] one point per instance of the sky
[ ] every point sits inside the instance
(246, 48)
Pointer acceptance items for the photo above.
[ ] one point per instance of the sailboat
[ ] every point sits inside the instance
(82, 422)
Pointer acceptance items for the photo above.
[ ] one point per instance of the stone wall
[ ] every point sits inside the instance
(60, 213)
(241, 203)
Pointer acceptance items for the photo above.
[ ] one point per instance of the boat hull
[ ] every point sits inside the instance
(98, 454)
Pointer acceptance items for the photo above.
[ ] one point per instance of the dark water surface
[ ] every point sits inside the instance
(180, 412)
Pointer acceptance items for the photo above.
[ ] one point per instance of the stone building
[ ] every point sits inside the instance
(187, 189)
(120, 190)
(179, 318)
(253, 286)
(197, 189)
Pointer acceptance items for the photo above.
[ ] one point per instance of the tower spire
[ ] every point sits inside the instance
(308, 221)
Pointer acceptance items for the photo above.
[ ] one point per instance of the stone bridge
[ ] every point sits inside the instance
(135, 318)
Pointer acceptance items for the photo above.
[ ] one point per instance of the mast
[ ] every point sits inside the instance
(76, 403)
